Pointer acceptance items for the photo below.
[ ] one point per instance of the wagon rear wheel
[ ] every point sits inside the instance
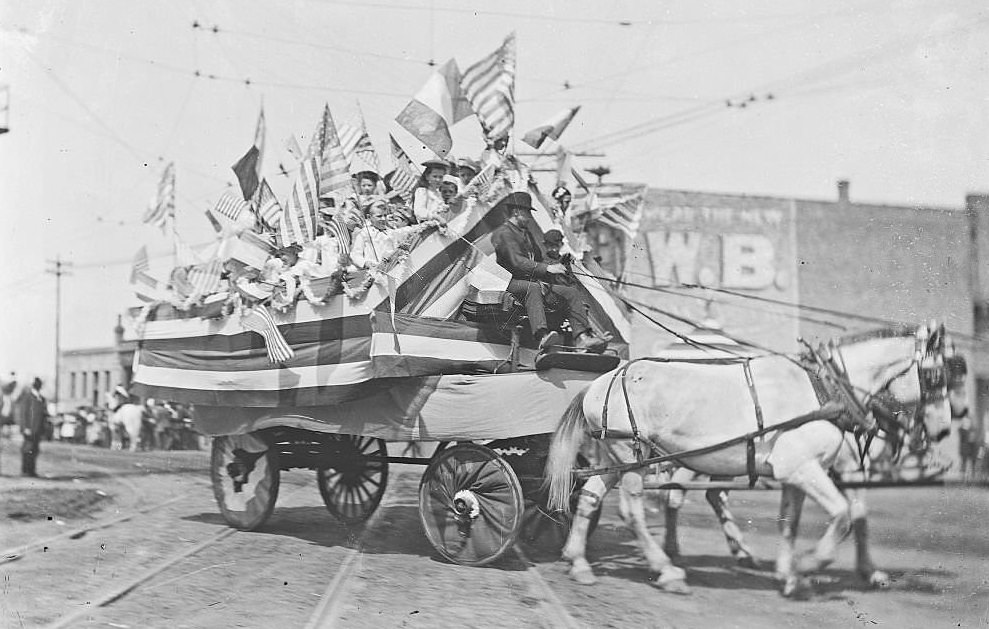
(354, 484)
(470, 504)
(245, 477)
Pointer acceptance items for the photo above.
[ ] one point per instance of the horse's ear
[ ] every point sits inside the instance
(935, 343)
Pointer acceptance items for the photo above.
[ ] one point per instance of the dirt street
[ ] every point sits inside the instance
(934, 541)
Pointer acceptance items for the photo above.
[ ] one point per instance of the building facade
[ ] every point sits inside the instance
(774, 270)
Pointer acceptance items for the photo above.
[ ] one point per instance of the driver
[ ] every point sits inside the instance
(517, 251)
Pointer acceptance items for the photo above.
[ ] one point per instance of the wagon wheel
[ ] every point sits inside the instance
(245, 476)
(470, 504)
(545, 531)
(352, 488)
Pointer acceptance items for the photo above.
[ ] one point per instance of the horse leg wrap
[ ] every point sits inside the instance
(588, 503)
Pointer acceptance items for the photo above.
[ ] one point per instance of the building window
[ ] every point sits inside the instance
(106, 387)
(84, 388)
(96, 388)
(72, 384)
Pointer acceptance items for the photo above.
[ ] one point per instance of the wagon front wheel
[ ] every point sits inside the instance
(245, 477)
(470, 504)
(353, 487)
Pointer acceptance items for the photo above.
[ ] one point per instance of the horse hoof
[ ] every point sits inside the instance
(676, 586)
(747, 561)
(795, 587)
(583, 577)
(879, 580)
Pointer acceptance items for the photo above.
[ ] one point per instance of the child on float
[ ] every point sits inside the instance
(427, 200)
(365, 189)
(378, 240)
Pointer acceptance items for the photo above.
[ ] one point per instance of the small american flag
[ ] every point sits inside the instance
(140, 268)
(334, 171)
(298, 222)
(481, 182)
(338, 230)
(489, 86)
(268, 208)
(205, 278)
(406, 176)
(162, 206)
(231, 206)
(619, 206)
(258, 319)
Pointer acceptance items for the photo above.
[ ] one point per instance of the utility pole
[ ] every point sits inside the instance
(599, 172)
(58, 269)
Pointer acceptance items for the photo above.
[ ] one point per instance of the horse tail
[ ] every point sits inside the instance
(563, 449)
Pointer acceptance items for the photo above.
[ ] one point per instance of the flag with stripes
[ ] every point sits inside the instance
(141, 267)
(230, 206)
(258, 319)
(481, 183)
(489, 86)
(268, 209)
(335, 227)
(619, 206)
(407, 174)
(436, 108)
(300, 212)
(357, 146)
(162, 207)
(205, 278)
(333, 169)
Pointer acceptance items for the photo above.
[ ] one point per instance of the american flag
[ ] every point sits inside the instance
(334, 171)
(259, 320)
(268, 209)
(140, 268)
(298, 222)
(620, 207)
(231, 206)
(481, 182)
(406, 176)
(162, 206)
(205, 278)
(357, 146)
(489, 86)
(338, 230)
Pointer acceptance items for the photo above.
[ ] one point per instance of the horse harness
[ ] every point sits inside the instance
(830, 382)
(829, 412)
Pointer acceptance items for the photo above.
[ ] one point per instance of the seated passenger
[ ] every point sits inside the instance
(517, 251)
(427, 200)
(366, 188)
(376, 240)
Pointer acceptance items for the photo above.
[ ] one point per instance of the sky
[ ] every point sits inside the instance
(892, 96)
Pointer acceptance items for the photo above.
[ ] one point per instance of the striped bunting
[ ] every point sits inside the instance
(489, 86)
(619, 206)
(268, 209)
(258, 319)
(162, 207)
(231, 206)
(406, 176)
(298, 222)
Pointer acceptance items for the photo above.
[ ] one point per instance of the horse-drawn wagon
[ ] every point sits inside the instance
(414, 358)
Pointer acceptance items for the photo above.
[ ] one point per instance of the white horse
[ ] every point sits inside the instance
(755, 416)
(852, 463)
(126, 422)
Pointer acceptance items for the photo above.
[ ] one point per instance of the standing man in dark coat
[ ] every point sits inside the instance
(518, 252)
(31, 412)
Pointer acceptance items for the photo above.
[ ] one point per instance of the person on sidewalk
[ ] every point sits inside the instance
(31, 412)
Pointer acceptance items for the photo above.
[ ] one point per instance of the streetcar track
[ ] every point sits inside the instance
(133, 584)
(550, 605)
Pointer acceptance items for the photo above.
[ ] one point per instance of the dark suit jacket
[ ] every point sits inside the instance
(31, 412)
(516, 249)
